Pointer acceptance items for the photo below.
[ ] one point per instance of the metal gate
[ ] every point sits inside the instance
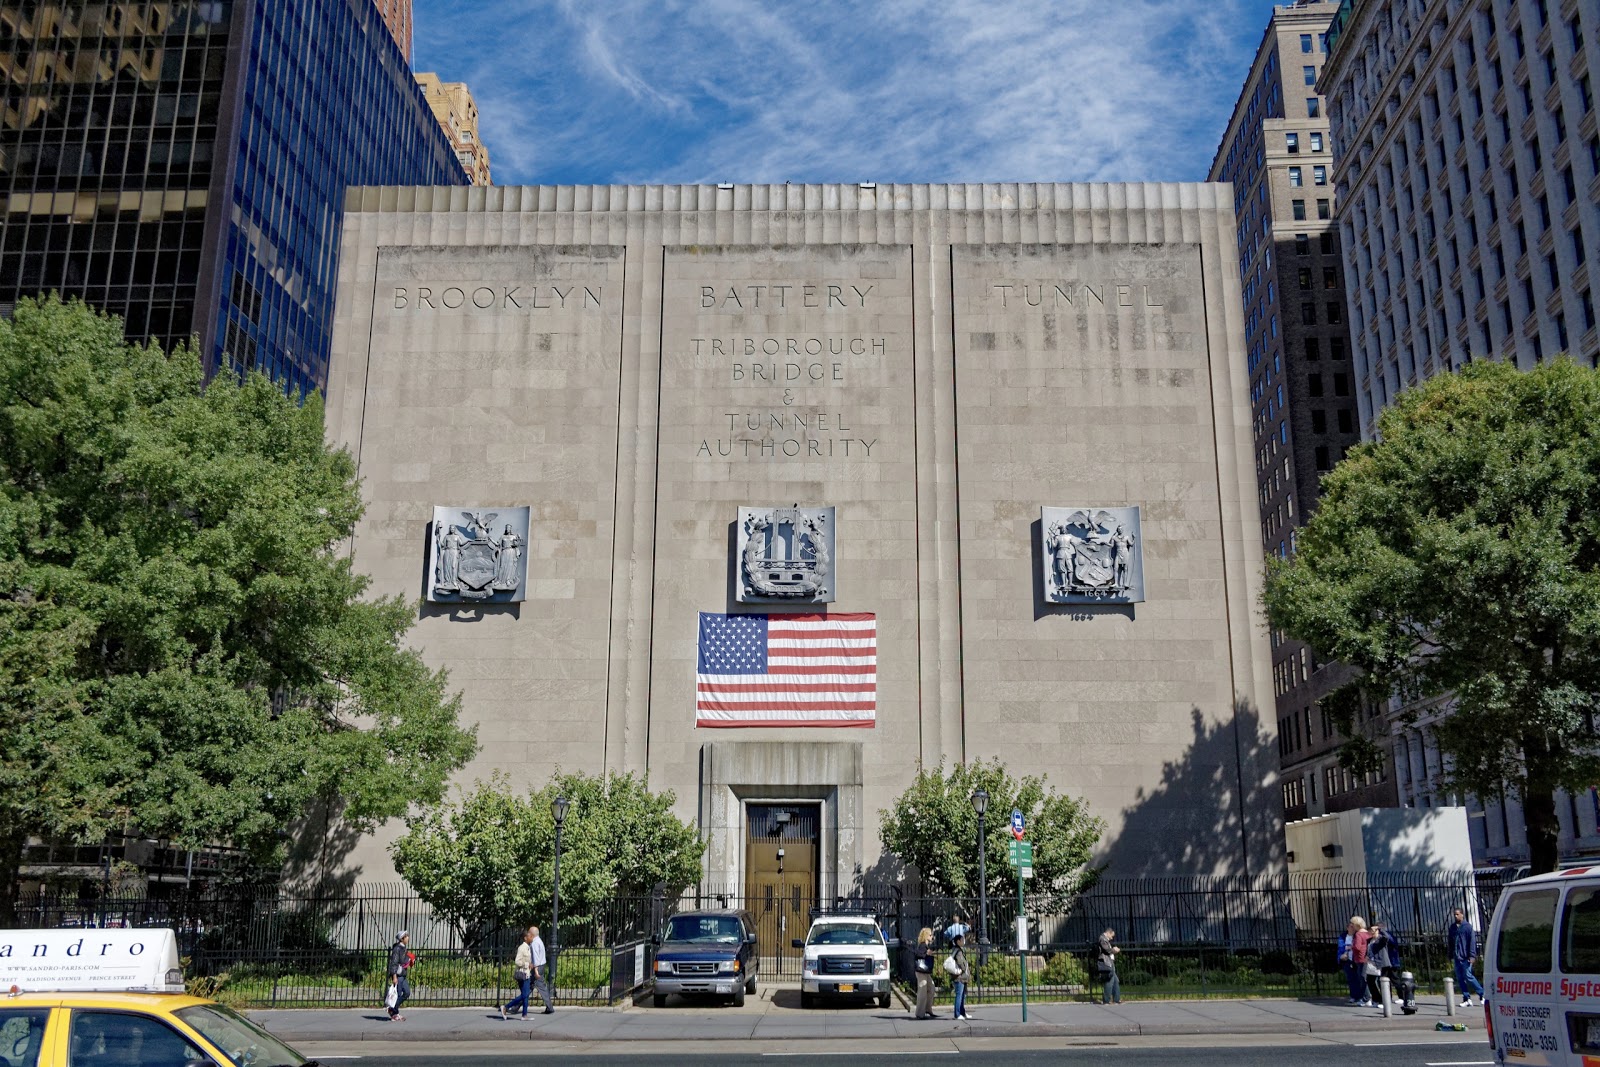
(783, 852)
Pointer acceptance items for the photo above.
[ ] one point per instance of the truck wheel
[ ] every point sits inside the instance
(750, 986)
(659, 1000)
(738, 998)
(883, 1001)
(808, 1000)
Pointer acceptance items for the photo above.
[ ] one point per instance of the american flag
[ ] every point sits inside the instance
(787, 670)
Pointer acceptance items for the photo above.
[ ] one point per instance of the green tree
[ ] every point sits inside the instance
(183, 649)
(933, 827)
(1459, 555)
(488, 860)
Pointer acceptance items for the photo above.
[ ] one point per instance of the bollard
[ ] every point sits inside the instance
(1449, 996)
(1388, 996)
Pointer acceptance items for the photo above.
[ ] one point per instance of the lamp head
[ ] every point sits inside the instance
(980, 801)
(558, 809)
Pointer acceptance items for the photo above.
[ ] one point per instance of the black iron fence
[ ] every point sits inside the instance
(1181, 937)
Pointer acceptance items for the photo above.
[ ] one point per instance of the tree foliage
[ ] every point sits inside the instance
(183, 652)
(1458, 555)
(488, 859)
(933, 827)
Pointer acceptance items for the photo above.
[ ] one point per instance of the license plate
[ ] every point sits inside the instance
(847, 987)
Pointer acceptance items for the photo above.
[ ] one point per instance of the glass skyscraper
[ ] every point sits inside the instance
(184, 164)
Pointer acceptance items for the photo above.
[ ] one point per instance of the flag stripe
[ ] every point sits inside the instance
(787, 670)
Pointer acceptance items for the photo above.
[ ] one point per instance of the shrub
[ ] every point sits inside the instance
(1064, 969)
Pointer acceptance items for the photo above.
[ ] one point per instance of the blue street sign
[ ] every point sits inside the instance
(1018, 826)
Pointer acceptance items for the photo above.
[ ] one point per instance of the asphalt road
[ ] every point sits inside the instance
(1466, 1051)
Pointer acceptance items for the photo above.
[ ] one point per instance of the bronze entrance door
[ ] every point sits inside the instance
(783, 853)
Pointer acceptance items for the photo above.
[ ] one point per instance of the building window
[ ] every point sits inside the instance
(1335, 312)
(1299, 210)
(1330, 277)
(1314, 387)
(1578, 252)
(1324, 209)
(1319, 175)
(1313, 107)
(1341, 385)
(1305, 42)
(1308, 314)
(1569, 187)
(1316, 142)
(1327, 243)
(1310, 74)
(1346, 422)
(1587, 301)
(1319, 417)
(1321, 453)
(1302, 244)
(1291, 143)
(1313, 348)
(1294, 177)
(1305, 277)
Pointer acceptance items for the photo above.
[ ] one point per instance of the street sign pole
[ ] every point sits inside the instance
(1022, 859)
(1022, 942)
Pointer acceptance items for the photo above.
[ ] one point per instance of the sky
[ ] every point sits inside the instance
(669, 91)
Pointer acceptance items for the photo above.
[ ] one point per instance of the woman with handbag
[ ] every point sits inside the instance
(922, 956)
(955, 965)
(522, 971)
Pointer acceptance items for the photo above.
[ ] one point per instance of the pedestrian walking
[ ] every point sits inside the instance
(1105, 963)
(961, 977)
(1463, 942)
(522, 972)
(922, 956)
(541, 970)
(401, 960)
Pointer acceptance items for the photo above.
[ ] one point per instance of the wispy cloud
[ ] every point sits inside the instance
(891, 90)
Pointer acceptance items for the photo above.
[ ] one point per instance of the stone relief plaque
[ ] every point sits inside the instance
(785, 555)
(1091, 555)
(478, 555)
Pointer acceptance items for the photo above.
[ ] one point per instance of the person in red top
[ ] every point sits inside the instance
(1359, 938)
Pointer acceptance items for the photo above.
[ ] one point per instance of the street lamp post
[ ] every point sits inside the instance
(980, 804)
(558, 811)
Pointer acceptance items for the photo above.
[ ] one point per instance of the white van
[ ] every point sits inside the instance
(1542, 971)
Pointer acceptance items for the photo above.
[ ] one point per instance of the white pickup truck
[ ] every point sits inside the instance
(845, 956)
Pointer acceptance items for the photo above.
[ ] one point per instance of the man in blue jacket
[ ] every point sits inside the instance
(1463, 941)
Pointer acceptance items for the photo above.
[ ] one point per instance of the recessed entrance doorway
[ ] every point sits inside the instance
(783, 854)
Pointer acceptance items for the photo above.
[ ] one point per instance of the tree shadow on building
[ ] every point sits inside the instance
(1216, 811)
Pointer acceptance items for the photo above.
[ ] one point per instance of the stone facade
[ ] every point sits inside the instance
(937, 363)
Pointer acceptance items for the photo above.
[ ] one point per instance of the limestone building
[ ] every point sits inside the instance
(669, 378)
(1277, 156)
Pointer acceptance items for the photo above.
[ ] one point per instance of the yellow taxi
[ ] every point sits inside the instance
(114, 998)
(83, 1029)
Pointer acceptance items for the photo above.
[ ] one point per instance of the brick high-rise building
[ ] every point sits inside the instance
(1468, 179)
(1276, 154)
(184, 164)
(397, 16)
(457, 113)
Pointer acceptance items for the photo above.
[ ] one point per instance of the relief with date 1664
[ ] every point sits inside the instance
(1092, 555)
(478, 555)
(785, 556)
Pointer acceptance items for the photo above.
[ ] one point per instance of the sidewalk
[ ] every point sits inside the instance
(776, 1016)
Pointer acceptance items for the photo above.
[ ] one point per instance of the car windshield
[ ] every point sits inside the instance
(246, 1044)
(846, 934)
(722, 929)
